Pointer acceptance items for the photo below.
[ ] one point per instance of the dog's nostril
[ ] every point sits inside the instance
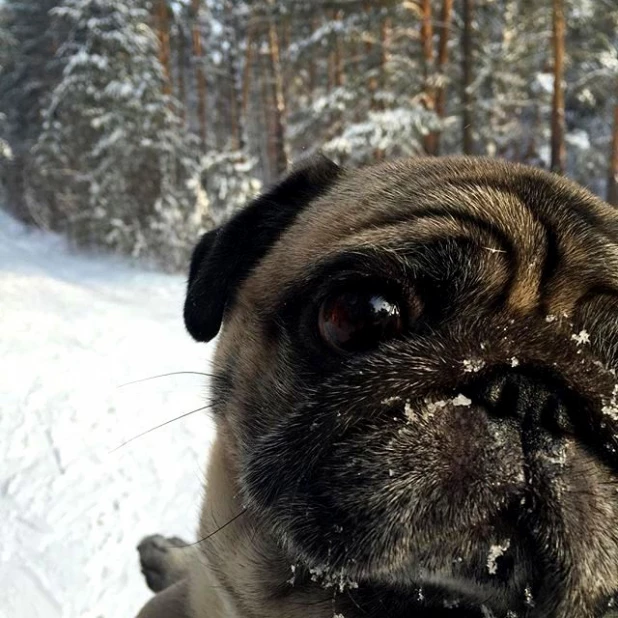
(499, 396)
(494, 391)
(555, 416)
(523, 397)
(510, 399)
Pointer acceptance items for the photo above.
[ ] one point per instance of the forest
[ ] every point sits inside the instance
(132, 126)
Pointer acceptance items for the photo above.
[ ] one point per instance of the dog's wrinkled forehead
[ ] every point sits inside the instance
(500, 208)
(320, 210)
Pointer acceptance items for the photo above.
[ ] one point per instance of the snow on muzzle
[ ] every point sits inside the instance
(477, 493)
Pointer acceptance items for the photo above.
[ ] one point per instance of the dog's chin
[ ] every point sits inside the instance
(477, 559)
(491, 567)
(495, 579)
(478, 521)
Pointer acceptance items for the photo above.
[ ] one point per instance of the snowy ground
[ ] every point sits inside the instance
(73, 329)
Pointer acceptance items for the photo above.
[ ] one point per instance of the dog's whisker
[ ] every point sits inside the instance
(165, 375)
(208, 536)
(177, 418)
(315, 603)
(353, 600)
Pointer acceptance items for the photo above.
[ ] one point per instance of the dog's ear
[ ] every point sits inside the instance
(224, 257)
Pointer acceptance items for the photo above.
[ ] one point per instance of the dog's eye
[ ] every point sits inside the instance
(358, 320)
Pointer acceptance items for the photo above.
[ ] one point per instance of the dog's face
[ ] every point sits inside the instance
(416, 384)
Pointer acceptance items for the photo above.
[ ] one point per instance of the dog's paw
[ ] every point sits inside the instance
(162, 560)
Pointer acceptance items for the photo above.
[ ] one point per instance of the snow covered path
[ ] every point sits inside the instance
(73, 329)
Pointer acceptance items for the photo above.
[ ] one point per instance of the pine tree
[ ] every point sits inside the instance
(259, 81)
(228, 177)
(227, 165)
(7, 48)
(27, 77)
(591, 75)
(376, 112)
(112, 150)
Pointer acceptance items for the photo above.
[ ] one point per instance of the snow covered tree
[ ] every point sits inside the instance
(168, 114)
(7, 46)
(591, 94)
(27, 75)
(375, 108)
(228, 178)
(506, 84)
(219, 31)
(113, 151)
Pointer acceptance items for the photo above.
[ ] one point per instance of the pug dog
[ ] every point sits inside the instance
(415, 396)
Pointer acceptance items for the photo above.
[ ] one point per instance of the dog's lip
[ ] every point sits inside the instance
(471, 581)
(424, 593)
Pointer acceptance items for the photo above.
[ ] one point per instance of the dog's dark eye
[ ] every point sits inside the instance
(358, 320)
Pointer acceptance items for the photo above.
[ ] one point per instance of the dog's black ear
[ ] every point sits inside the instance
(224, 257)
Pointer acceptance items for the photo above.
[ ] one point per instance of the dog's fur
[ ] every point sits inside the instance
(465, 468)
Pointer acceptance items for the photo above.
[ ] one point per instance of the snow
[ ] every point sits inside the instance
(74, 328)
(529, 599)
(546, 82)
(495, 551)
(461, 400)
(611, 407)
(328, 578)
(581, 337)
(473, 365)
(578, 139)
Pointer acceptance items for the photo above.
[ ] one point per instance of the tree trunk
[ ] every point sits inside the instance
(466, 70)
(286, 68)
(266, 158)
(429, 101)
(236, 134)
(612, 180)
(163, 33)
(558, 150)
(247, 68)
(330, 64)
(278, 112)
(385, 42)
(386, 28)
(198, 58)
(181, 63)
(335, 69)
(338, 54)
(372, 82)
(445, 24)
(312, 69)
(234, 92)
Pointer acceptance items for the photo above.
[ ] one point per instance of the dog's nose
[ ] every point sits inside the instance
(534, 400)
